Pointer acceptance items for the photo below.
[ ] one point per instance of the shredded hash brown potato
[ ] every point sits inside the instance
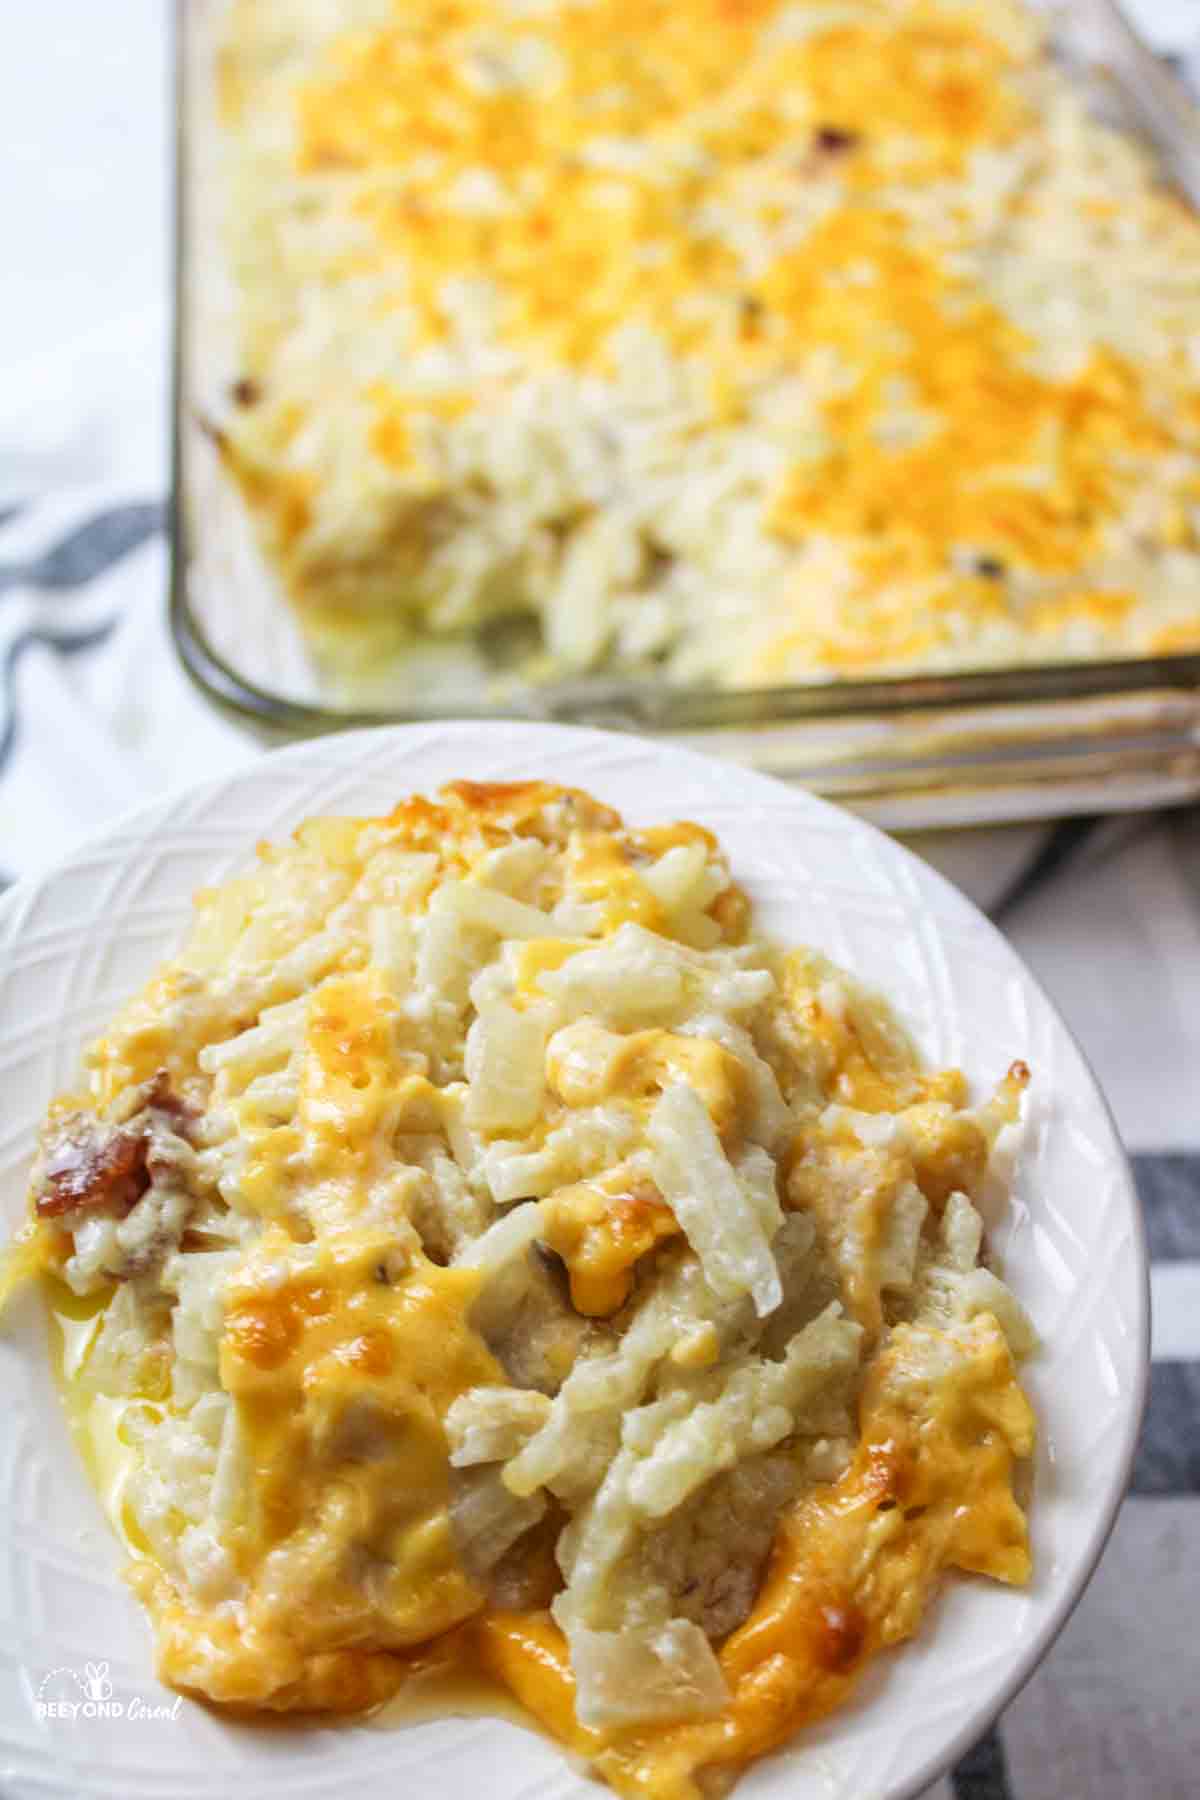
(739, 344)
(493, 1254)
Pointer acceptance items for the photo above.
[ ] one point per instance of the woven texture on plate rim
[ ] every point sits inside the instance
(76, 942)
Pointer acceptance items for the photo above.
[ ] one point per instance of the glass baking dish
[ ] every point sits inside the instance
(912, 751)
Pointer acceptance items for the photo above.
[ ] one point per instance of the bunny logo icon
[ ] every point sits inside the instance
(99, 1687)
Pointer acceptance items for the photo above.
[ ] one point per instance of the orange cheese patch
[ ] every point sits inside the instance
(341, 1379)
(601, 1230)
(833, 260)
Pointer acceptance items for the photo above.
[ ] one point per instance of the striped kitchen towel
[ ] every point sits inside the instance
(96, 715)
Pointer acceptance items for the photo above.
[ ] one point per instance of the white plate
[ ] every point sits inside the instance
(75, 943)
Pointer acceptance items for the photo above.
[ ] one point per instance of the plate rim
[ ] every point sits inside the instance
(541, 736)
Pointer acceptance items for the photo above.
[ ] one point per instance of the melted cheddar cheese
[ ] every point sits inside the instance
(375, 1380)
(852, 1571)
(341, 1381)
(602, 1230)
(829, 272)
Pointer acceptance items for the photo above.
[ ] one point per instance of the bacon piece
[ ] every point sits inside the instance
(161, 1097)
(89, 1164)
